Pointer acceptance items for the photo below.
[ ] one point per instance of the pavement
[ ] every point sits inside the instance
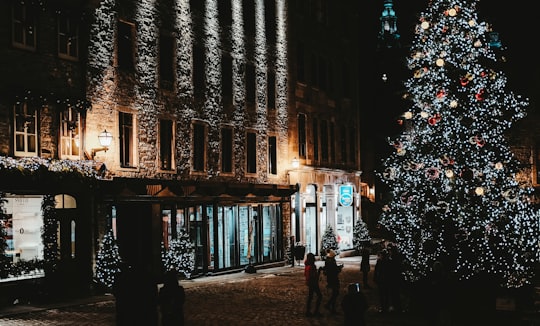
(274, 295)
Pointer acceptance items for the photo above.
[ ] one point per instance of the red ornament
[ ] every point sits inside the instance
(441, 93)
(463, 81)
(481, 95)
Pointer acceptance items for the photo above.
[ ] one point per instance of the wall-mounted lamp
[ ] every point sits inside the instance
(295, 163)
(105, 139)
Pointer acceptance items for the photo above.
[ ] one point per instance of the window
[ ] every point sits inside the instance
(270, 21)
(251, 153)
(315, 140)
(300, 63)
(199, 147)
(272, 155)
(25, 126)
(343, 144)
(23, 26)
(126, 46)
(166, 139)
(225, 13)
(126, 139)
(332, 142)
(271, 90)
(324, 141)
(346, 88)
(250, 83)
(226, 79)
(352, 143)
(70, 133)
(68, 38)
(198, 72)
(166, 61)
(302, 135)
(249, 17)
(226, 150)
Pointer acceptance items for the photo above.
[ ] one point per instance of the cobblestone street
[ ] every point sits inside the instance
(274, 296)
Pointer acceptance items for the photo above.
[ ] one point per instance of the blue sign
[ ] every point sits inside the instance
(346, 195)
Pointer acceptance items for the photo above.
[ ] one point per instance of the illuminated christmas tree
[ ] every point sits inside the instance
(361, 235)
(108, 260)
(329, 241)
(180, 255)
(454, 196)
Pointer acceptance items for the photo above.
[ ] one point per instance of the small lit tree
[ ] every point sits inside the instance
(108, 260)
(49, 235)
(180, 256)
(361, 235)
(329, 241)
(4, 260)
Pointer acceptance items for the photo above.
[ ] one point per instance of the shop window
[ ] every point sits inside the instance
(199, 147)
(126, 139)
(125, 46)
(302, 135)
(251, 153)
(166, 139)
(226, 150)
(23, 27)
(70, 134)
(166, 61)
(271, 91)
(68, 37)
(272, 155)
(26, 130)
(23, 222)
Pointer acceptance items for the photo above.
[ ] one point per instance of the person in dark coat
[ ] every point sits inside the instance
(381, 277)
(332, 270)
(354, 305)
(171, 300)
(365, 267)
(311, 275)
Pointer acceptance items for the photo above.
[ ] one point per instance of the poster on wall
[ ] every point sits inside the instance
(344, 227)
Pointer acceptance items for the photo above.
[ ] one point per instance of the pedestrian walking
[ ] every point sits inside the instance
(311, 275)
(354, 305)
(365, 267)
(171, 300)
(332, 270)
(381, 277)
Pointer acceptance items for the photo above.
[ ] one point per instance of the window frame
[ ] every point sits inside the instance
(25, 24)
(251, 152)
(127, 160)
(166, 146)
(70, 121)
(68, 29)
(24, 133)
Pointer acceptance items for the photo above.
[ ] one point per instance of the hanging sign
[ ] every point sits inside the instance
(345, 195)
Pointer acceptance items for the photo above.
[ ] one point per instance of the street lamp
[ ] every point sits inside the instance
(105, 139)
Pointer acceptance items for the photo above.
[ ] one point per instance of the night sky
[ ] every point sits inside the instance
(516, 23)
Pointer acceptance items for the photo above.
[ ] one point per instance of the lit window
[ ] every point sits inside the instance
(69, 133)
(25, 126)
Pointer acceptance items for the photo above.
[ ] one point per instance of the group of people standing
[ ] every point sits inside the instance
(354, 303)
(386, 275)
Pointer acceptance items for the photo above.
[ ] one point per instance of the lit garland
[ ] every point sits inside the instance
(49, 233)
(4, 260)
(35, 165)
(455, 197)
